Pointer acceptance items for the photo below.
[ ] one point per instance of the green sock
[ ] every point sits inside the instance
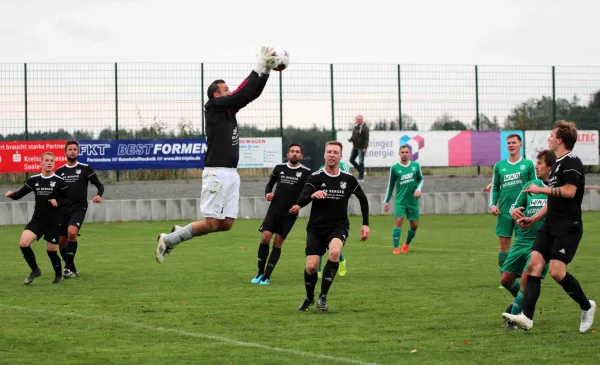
(516, 307)
(396, 232)
(320, 262)
(514, 289)
(501, 258)
(410, 236)
(342, 256)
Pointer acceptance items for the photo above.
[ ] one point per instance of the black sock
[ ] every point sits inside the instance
(329, 272)
(71, 250)
(263, 254)
(310, 281)
(572, 287)
(63, 253)
(275, 255)
(532, 293)
(53, 255)
(30, 258)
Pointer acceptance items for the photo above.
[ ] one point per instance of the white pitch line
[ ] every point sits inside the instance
(194, 334)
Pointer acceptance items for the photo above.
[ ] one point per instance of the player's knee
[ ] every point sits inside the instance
(414, 225)
(266, 237)
(507, 282)
(311, 267)
(278, 242)
(72, 233)
(557, 272)
(51, 247)
(23, 243)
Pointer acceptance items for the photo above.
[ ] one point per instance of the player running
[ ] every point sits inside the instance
(283, 211)
(407, 178)
(50, 197)
(77, 176)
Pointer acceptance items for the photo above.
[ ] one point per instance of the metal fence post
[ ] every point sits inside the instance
(399, 101)
(332, 103)
(553, 95)
(26, 116)
(477, 107)
(281, 106)
(202, 94)
(117, 111)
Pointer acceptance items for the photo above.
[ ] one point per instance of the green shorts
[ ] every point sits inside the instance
(518, 259)
(411, 211)
(505, 225)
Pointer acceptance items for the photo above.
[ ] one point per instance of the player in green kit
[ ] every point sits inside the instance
(343, 270)
(407, 178)
(509, 177)
(526, 205)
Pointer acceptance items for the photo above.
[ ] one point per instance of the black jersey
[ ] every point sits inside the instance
(561, 211)
(290, 182)
(223, 144)
(77, 178)
(45, 188)
(333, 210)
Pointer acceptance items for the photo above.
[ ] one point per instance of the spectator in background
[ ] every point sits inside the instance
(360, 142)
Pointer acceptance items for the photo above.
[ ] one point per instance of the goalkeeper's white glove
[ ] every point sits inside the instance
(266, 61)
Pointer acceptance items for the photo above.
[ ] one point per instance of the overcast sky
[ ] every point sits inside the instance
(537, 32)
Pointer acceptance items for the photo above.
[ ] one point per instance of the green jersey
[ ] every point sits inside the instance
(532, 204)
(508, 182)
(406, 179)
(343, 166)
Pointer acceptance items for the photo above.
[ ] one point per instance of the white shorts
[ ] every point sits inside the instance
(220, 197)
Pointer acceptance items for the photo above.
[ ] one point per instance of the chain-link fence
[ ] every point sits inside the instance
(165, 100)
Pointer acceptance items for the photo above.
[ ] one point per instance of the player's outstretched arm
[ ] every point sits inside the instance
(390, 185)
(495, 189)
(26, 189)
(252, 87)
(420, 181)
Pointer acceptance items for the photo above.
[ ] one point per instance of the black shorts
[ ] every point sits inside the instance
(45, 227)
(558, 243)
(280, 224)
(73, 216)
(317, 242)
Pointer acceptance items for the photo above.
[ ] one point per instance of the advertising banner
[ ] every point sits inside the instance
(433, 148)
(25, 156)
(586, 147)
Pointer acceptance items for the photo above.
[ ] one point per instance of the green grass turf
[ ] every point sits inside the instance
(440, 304)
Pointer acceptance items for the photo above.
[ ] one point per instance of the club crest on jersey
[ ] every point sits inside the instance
(343, 185)
(78, 172)
(522, 167)
(298, 174)
(413, 168)
(52, 183)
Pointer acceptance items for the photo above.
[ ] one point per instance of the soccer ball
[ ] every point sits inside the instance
(283, 59)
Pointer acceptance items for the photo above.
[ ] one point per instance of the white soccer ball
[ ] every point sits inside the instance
(283, 59)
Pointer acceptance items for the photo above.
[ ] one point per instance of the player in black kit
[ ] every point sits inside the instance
(557, 240)
(219, 200)
(50, 197)
(77, 175)
(328, 227)
(283, 211)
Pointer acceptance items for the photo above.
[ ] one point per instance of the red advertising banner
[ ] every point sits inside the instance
(24, 156)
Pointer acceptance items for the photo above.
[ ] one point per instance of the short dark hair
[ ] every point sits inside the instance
(335, 143)
(567, 132)
(514, 135)
(404, 146)
(296, 145)
(547, 156)
(213, 88)
(70, 143)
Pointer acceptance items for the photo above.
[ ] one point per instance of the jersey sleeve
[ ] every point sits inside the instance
(495, 189)
(272, 181)
(390, 186)
(572, 171)
(26, 189)
(309, 188)
(93, 178)
(419, 178)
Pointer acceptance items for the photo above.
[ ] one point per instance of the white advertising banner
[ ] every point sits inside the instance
(260, 152)
(586, 147)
